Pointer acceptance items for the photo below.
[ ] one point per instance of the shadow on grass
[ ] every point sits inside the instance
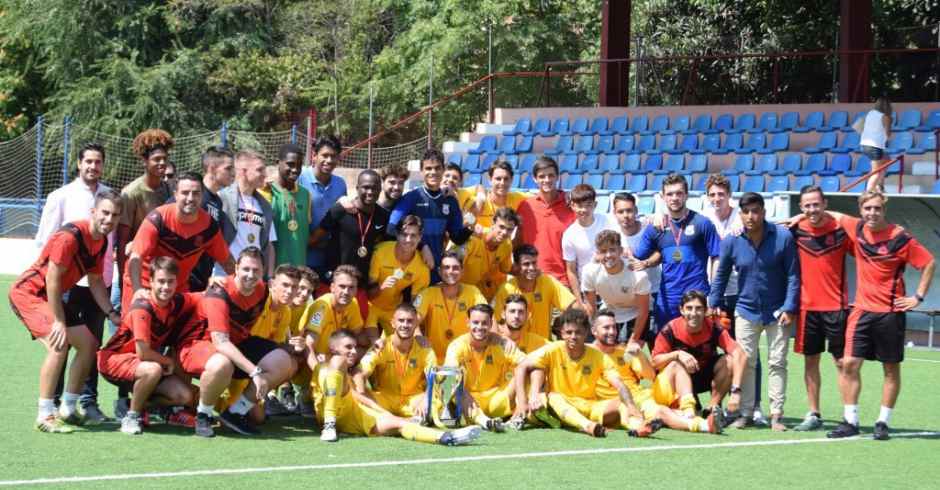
(274, 428)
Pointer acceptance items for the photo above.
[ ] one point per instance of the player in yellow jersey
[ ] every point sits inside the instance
(341, 408)
(296, 396)
(542, 292)
(487, 361)
(487, 259)
(573, 370)
(333, 311)
(396, 368)
(396, 267)
(515, 316)
(443, 309)
(499, 195)
(634, 366)
(452, 182)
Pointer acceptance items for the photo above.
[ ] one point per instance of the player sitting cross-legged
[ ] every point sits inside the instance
(341, 408)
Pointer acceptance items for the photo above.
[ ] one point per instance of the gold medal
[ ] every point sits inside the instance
(399, 274)
(251, 238)
(677, 255)
(292, 225)
(362, 252)
(449, 334)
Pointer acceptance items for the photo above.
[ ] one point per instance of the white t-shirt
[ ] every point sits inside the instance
(631, 242)
(724, 228)
(618, 291)
(873, 133)
(577, 242)
(250, 223)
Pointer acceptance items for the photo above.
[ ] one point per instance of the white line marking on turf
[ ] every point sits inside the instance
(922, 360)
(455, 459)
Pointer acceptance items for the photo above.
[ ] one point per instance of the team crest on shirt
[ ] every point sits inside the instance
(412, 363)
(489, 359)
(830, 240)
(625, 289)
(586, 370)
(197, 240)
(461, 307)
(690, 230)
(317, 319)
(538, 297)
(883, 250)
(620, 361)
(445, 208)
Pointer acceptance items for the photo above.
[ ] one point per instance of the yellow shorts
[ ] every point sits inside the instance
(663, 392)
(646, 402)
(235, 389)
(592, 409)
(399, 405)
(380, 318)
(494, 402)
(353, 418)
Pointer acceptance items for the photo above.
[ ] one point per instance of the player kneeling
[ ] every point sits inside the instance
(340, 408)
(133, 358)
(487, 360)
(634, 366)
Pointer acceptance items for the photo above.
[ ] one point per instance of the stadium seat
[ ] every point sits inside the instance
(588, 163)
(862, 167)
(608, 163)
(615, 182)
(472, 179)
(753, 183)
(765, 164)
(791, 163)
(624, 144)
(814, 163)
(470, 163)
(908, 120)
(931, 123)
(605, 144)
(928, 143)
(645, 144)
(597, 126)
(596, 181)
(788, 121)
(542, 127)
(711, 143)
(778, 142)
(529, 182)
(640, 124)
(637, 183)
(936, 187)
(579, 126)
(766, 123)
(697, 163)
(646, 205)
(563, 145)
(689, 143)
(526, 163)
(755, 142)
(660, 125)
(679, 125)
(603, 201)
(699, 185)
(838, 165)
(507, 145)
(512, 160)
(849, 143)
(455, 158)
(859, 187)
(813, 121)
(657, 184)
(524, 145)
(732, 142)
(569, 164)
(653, 162)
(487, 144)
(486, 162)
(837, 121)
(780, 183)
(568, 181)
(855, 118)
(560, 126)
(829, 183)
(742, 163)
(617, 126)
(666, 143)
(735, 182)
(522, 126)
(826, 142)
(744, 123)
(703, 122)
(900, 143)
(674, 164)
(631, 163)
(801, 182)
(584, 145)
(516, 180)
(722, 124)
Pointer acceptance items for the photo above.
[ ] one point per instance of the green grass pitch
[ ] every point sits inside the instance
(749, 458)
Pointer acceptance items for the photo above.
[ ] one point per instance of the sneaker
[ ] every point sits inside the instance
(274, 408)
(459, 437)
(546, 417)
(495, 425)
(70, 418)
(238, 423)
(328, 433)
(182, 418)
(600, 431)
(289, 400)
(204, 425)
(516, 423)
(881, 432)
(121, 406)
(130, 425)
(647, 429)
(53, 425)
(716, 421)
(758, 419)
(810, 423)
(844, 429)
(742, 422)
(94, 416)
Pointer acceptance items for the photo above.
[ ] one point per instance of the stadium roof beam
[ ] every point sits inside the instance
(854, 34)
(615, 44)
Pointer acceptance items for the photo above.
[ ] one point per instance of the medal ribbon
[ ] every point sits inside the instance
(363, 231)
(450, 311)
(676, 233)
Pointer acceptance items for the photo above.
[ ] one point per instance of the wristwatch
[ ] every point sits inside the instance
(257, 372)
(735, 389)
(920, 299)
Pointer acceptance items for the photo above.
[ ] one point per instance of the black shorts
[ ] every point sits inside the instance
(876, 336)
(872, 152)
(81, 308)
(817, 328)
(702, 379)
(254, 348)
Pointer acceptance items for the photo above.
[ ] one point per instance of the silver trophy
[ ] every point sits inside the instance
(445, 392)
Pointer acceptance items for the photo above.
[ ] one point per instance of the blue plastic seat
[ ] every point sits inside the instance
(779, 142)
(755, 142)
(666, 143)
(931, 123)
(486, 162)
(735, 182)
(617, 126)
(837, 121)
(936, 188)
(588, 163)
(813, 121)
(507, 145)
(744, 123)
(855, 118)
(679, 125)
(802, 181)
(645, 144)
(742, 163)
(608, 163)
(711, 143)
(615, 182)
(560, 126)
(838, 165)
(653, 162)
(542, 127)
(657, 184)
(569, 164)
(849, 143)
(624, 144)
(689, 143)
(605, 144)
(660, 125)
(765, 164)
(766, 123)
(753, 183)
(522, 126)
(455, 158)
(675, 164)
(526, 163)
(814, 164)
(597, 125)
(646, 205)
(640, 124)
(900, 143)
(697, 163)
(512, 160)
(722, 124)
(826, 142)
(578, 126)
(594, 180)
(829, 183)
(631, 163)
(516, 181)
(699, 185)
(732, 142)
(791, 164)
(472, 179)
(487, 145)
(637, 183)
(563, 145)
(524, 145)
(928, 143)
(780, 183)
(529, 182)
(568, 181)
(470, 163)
(703, 122)
(584, 145)
(908, 120)
(862, 167)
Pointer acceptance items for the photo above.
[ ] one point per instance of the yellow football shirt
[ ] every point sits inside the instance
(272, 324)
(322, 319)
(631, 373)
(530, 342)
(384, 264)
(547, 295)
(443, 320)
(485, 268)
(483, 370)
(485, 216)
(569, 377)
(395, 374)
(297, 326)
(466, 197)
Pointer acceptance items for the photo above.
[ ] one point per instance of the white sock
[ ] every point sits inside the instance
(132, 414)
(242, 406)
(206, 409)
(885, 415)
(69, 400)
(46, 408)
(703, 425)
(851, 414)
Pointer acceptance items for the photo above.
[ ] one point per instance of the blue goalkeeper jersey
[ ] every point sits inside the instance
(441, 216)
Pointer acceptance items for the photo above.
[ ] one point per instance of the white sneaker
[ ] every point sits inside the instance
(459, 437)
(130, 424)
(759, 419)
(328, 434)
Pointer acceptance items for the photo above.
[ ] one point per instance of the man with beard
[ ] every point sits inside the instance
(394, 177)
(542, 292)
(292, 207)
(336, 310)
(514, 318)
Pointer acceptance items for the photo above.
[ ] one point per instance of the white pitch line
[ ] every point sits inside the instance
(455, 459)
(921, 360)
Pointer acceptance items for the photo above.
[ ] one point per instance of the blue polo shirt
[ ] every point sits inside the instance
(685, 264)
(441, 217)
(322, 199)
(768, 275)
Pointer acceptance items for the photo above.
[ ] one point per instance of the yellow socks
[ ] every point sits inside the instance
(416, 432)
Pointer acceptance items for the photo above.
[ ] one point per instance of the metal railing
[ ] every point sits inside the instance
(877, 169)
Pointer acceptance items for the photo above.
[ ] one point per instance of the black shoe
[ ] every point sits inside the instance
(844, 429)
(238, 423)
(204, 425)
(881, 432)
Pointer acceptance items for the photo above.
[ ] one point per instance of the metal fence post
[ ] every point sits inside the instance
(40, 122)
(224, 138)
(66, 140)
(371, 120)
